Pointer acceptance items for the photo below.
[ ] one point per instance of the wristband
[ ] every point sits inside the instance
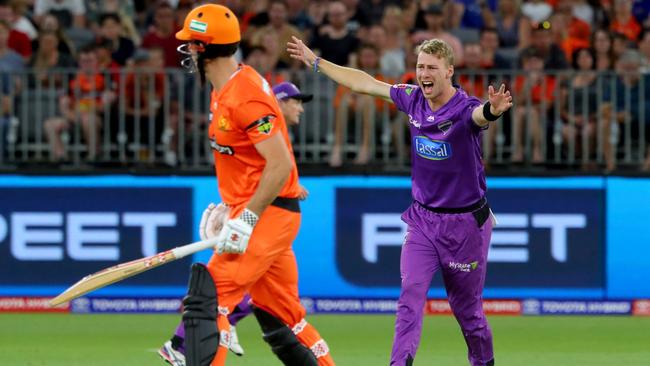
(487, 114)
(249, 217)
(316, 61)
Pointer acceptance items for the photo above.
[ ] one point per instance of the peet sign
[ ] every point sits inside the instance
(536, 243)
(54, 236)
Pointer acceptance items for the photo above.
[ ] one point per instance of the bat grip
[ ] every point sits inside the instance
(198, 246)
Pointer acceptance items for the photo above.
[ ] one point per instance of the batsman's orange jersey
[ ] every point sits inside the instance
(243, 113)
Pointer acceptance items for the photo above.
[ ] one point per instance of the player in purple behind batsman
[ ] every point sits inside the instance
(449, 221)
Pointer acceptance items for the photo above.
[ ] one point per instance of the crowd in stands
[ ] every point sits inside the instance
(577, 68)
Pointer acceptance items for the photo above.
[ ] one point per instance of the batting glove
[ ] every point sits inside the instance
(236, 233)
(212, 220)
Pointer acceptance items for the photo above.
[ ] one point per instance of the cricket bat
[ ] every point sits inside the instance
(123, 271)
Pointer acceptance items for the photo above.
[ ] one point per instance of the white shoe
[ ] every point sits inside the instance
(235, 347)
(170, 355)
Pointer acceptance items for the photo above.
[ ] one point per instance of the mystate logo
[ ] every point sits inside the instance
(463, 267)
(431, 149)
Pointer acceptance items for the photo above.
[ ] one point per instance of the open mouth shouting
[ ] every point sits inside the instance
(427, 87)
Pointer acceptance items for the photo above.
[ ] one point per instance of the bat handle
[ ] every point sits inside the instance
(198, 246)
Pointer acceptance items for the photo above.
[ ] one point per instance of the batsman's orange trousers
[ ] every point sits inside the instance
(269, 272)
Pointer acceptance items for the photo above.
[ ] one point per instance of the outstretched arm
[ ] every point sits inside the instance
(357, 80)
(500, 101)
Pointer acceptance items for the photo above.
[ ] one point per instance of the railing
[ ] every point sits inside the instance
(154, 118)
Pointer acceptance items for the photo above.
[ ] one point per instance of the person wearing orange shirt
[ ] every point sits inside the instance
(624, 21)
(258, 183)
(83, 104)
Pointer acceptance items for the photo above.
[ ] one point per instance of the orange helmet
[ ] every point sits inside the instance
(210, 24)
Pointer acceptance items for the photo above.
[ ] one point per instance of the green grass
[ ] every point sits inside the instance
(42, 339)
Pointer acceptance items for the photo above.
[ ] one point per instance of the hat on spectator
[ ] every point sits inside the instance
(287, 90)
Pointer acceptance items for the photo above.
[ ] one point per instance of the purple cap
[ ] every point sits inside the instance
(286, 90)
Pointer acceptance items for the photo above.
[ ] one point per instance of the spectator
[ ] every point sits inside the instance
(624, 21)
(392, 58)
(278, 24)
(580, 105)
(11, 63)
(18, 41)
(622, 107)
(317, 11)
(601, 41)
(473, 78)
(435, 29)
(10, 60)
(644, 49)
(105, 62)
(111, 29)
(620, 44)
(508, 23)
(259, 59)
(335, 40)
(82, 104)
(395, 41)
(48, 62)
(536, 10)
(474, 14)
(297, 15)
(50, 24)
(490, 59)
(125, 8)
(534, 92)
(13, 11)
(584, 11)
(542, 42)
(71, 13)
(162, 34)
(358, 17)
(349, 104)
(471, 75)
(144, 97)
(570, 33)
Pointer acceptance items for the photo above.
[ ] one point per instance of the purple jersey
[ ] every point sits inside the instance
(446, 148)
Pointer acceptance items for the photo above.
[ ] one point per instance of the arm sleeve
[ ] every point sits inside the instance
(257, 119)
(402, 95)
(470, 105)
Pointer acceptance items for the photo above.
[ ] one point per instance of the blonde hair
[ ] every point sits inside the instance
(438, 48)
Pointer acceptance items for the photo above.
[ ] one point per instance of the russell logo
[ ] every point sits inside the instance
(431, 149)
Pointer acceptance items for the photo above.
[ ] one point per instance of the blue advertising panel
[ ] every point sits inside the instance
(537, 243)
(628, 238)
(557, 238)
(53, 236)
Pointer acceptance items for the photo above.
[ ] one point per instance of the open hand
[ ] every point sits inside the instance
(297, 50)
(500, 101)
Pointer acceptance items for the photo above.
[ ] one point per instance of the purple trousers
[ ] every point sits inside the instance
(455, 245)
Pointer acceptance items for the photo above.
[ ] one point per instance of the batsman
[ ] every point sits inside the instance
(258, 183)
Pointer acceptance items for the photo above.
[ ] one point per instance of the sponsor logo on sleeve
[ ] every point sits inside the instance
(265, 127)
(431, 149)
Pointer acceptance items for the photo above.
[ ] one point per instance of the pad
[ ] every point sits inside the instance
(200, 318)
(283, 342)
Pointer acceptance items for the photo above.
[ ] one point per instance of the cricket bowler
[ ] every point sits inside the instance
(449, 221)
